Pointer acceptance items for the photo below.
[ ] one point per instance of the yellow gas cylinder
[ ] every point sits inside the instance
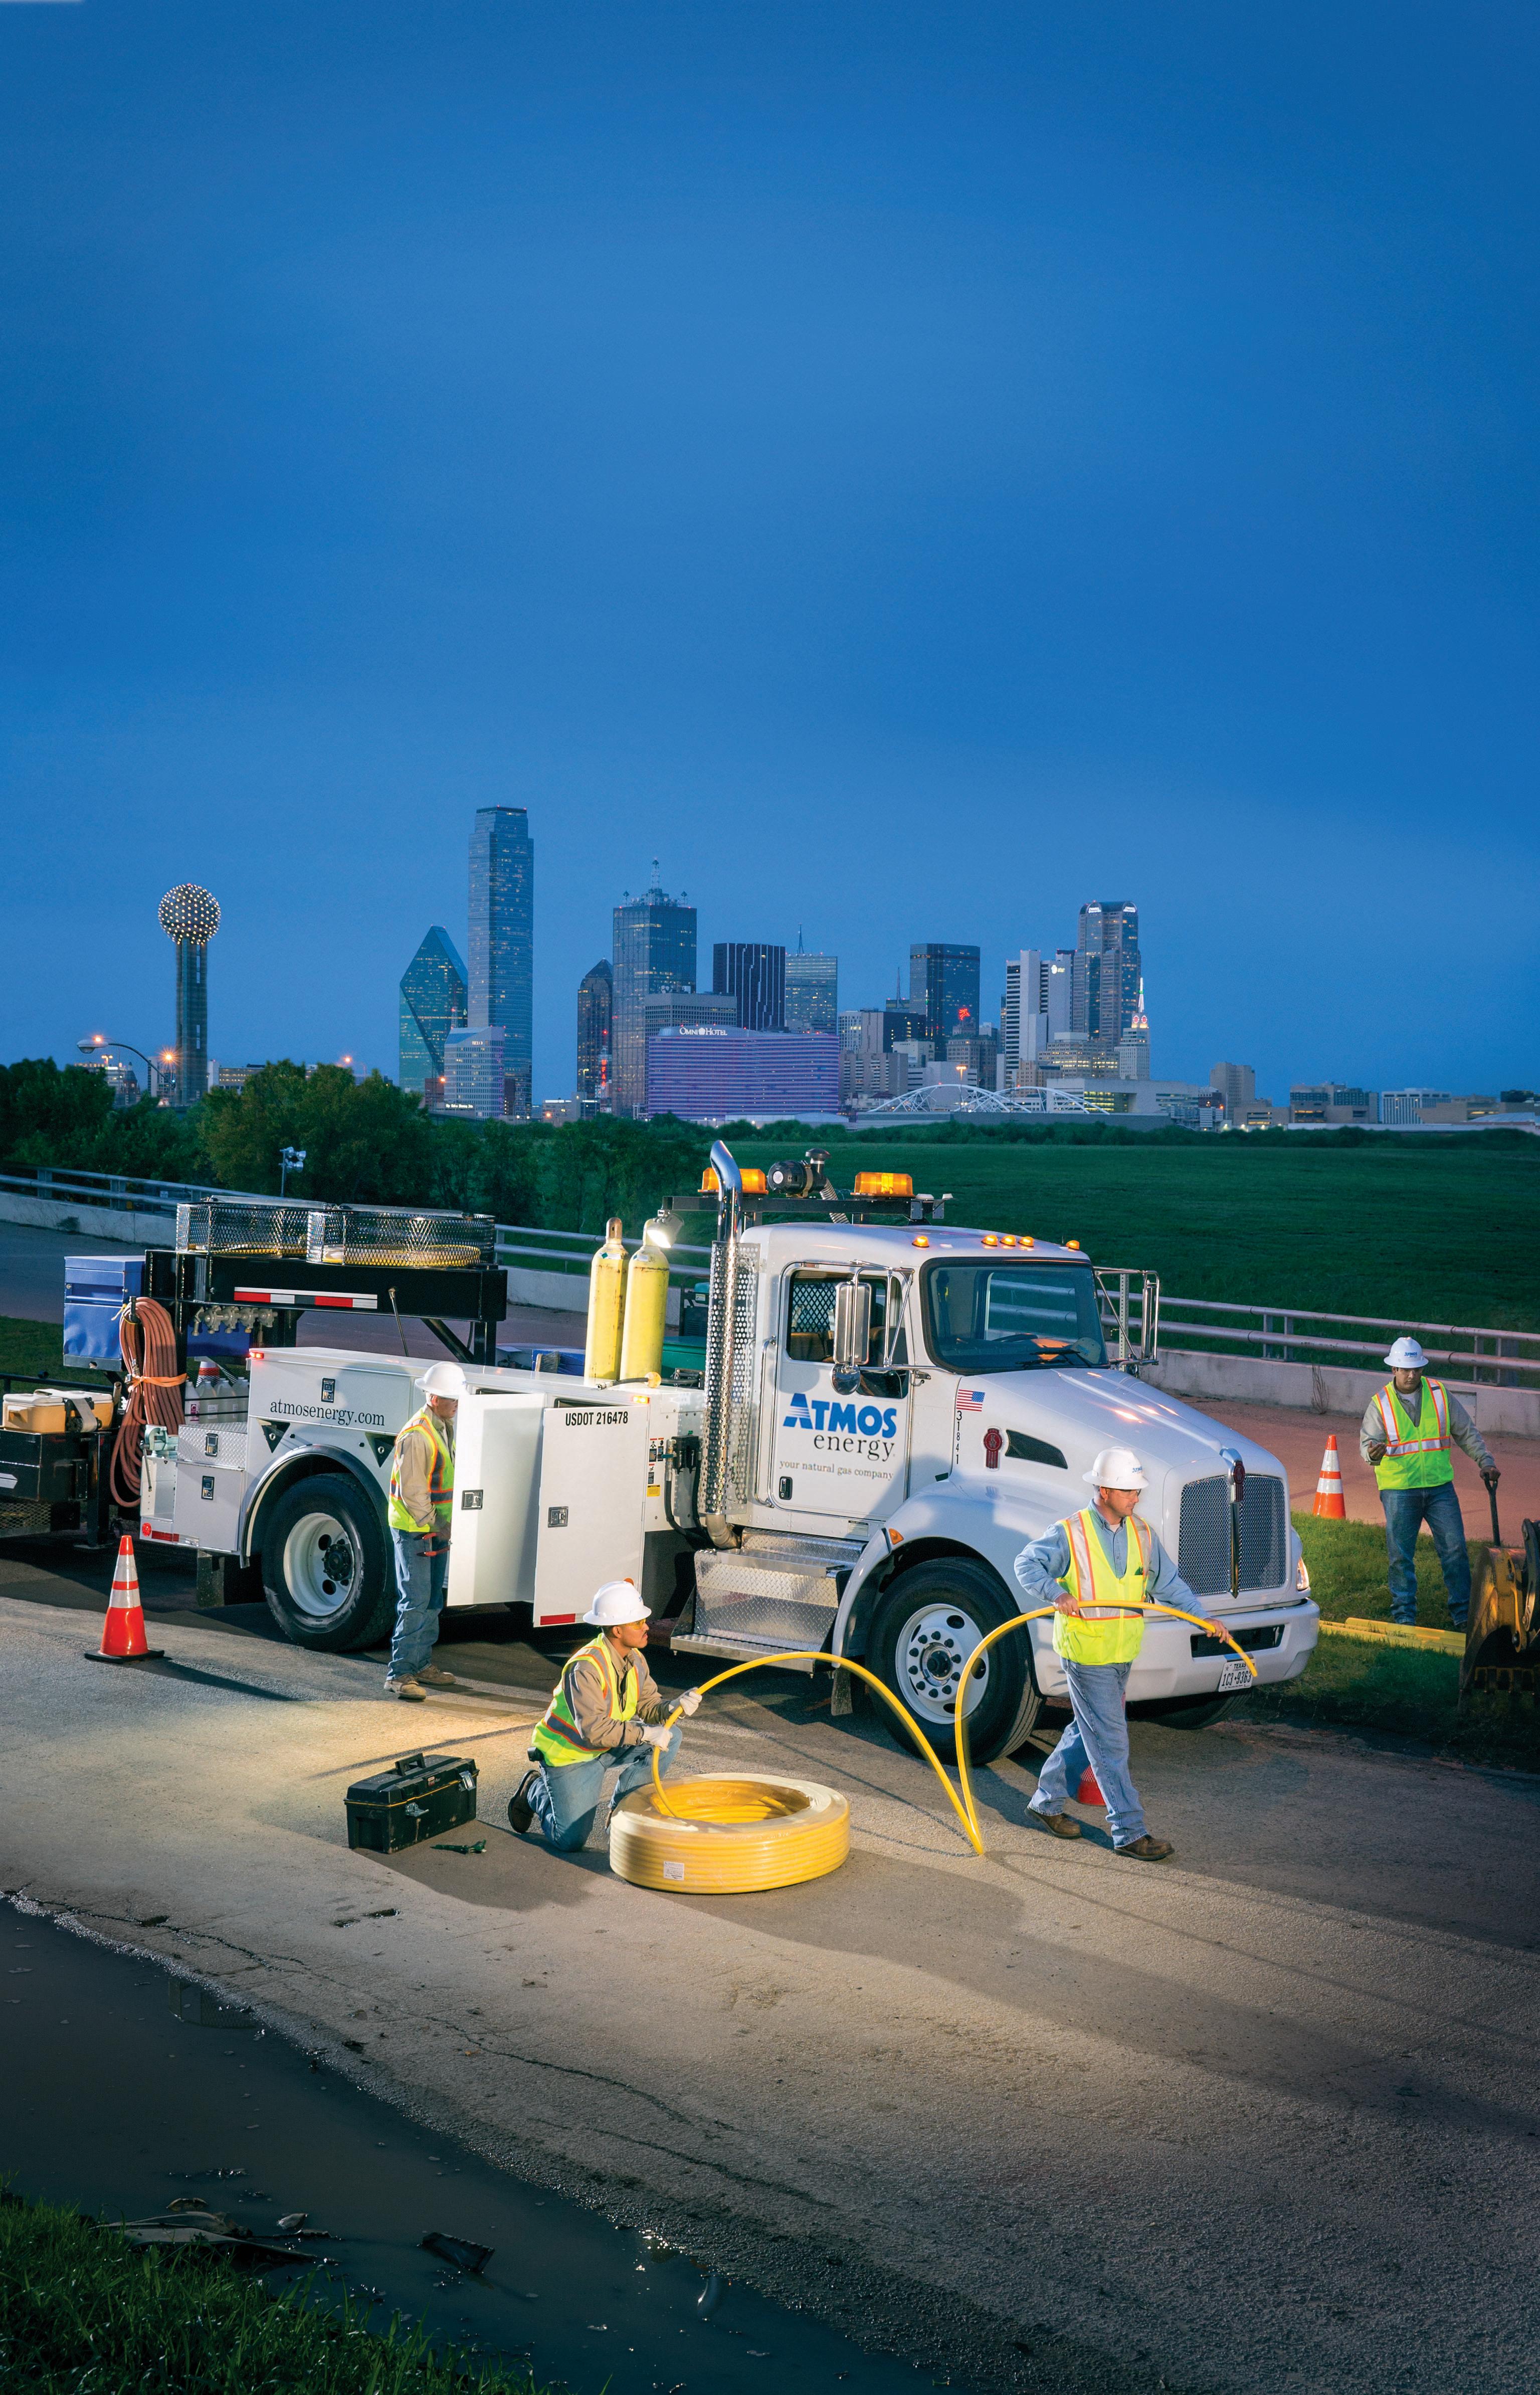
(606, 1306)
(646, 1312)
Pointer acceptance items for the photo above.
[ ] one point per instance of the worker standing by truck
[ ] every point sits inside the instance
(1405, 1434)
(420, 1514)
(1096, 1569)
(608, 1713)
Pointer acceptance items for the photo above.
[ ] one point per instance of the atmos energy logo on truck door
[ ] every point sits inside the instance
(844, 1429)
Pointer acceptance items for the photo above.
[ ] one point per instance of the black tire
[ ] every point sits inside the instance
(313, 1521)
(926, 1625)
(1183, 1712)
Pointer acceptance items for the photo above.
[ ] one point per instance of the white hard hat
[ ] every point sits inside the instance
(616, 1601)
(1117, 1467)
(442, 1381)
(1406, 1355)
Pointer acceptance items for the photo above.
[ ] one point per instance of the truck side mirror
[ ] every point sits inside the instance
(852, 1333)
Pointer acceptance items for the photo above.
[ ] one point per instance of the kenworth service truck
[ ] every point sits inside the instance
(890, 1405)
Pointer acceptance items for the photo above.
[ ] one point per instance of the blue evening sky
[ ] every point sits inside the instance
(910, 469)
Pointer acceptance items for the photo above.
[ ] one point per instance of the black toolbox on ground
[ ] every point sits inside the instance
(425, 1795)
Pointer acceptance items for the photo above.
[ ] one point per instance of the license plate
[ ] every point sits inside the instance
(1234, 1674)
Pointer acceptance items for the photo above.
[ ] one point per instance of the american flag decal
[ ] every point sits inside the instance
(970, 1401)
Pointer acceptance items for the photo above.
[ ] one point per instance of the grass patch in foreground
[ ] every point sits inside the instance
(1353, 1683)
(80, 2310)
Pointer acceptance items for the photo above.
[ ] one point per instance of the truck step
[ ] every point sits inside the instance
(736, 1650)
(773, 1595)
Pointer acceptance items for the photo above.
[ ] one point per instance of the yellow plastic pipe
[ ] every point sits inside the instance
(966, 1810)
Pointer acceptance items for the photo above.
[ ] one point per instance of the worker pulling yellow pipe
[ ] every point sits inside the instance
(964, 1809)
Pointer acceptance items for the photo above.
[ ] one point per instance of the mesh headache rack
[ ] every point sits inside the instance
(334, 1235)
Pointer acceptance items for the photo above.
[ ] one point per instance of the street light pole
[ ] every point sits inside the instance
(290, 1159)
(97, 1044)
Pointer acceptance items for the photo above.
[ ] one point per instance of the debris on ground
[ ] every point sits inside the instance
(462, 2251)
(479, 1849)
(186, 2221)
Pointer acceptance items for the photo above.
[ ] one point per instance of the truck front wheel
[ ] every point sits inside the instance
(327, 1564)
(926, 1629)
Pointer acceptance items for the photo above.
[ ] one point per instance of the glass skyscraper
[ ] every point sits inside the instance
(654, 943)
(755, 974)
(1109, 974)
(595, 1011)
(812, 991)
(502, 940)
(432, 1005)
(943, 979)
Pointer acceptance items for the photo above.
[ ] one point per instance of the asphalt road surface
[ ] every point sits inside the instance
(1263, 2117)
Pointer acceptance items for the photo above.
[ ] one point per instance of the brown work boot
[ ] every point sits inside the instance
(433, 1675)
(1059, 1823)
(406, 1690)
(1147, 1851)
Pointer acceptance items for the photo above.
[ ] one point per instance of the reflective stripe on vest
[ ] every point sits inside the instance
(1417, 1454)
(440, 1484)
(1098, 1637)
(558, 1738)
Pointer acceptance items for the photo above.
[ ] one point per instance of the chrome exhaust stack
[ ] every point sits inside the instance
(716, 1446)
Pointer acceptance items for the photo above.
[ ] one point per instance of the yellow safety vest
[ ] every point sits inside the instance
(558, 1738)
(1417, 1454)
(1098, 1637)
(440, 1484)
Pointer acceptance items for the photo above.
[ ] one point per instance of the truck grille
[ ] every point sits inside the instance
(1203, 1550)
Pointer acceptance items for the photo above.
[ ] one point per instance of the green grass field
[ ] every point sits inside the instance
(82, 2313)
(1384, 1227)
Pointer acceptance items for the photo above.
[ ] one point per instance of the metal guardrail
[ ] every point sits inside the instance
(1478, 1357)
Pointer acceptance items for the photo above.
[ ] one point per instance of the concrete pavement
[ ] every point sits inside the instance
(1260, 2118)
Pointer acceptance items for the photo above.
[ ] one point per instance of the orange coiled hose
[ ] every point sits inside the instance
(149, 1344)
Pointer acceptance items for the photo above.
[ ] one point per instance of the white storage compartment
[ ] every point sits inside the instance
(492, 1547)
(208, 1506)
(593, 1491)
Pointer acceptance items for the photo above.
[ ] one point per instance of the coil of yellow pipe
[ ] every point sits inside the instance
(723, 1837)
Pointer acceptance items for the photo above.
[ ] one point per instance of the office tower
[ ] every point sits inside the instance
(1237, 1086)
(812, 991)
(943, 979)
(863, 1056)
(902, 1022)
(190, 916)
(476, 1078)
(654, 954)
(432, 1005)
(712, 1072)
(502, 938)
(596, 993)
(755, 974)
(1108, 992)
(1033, 984)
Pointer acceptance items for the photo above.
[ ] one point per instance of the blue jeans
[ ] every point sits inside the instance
(1098, 1735)
(422, 1566)
(1405, 1511)
(566, 1795)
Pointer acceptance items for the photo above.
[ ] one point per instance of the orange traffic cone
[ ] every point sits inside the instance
(1088, 1793)
(1328, 1489)
(122, 1638)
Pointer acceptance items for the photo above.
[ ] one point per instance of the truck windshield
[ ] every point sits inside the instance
(1000, 1317)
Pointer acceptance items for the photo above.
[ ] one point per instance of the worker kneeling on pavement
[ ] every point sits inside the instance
(1095, 1569)
(607, 1715)
(1405, 1434)
(420, 1513)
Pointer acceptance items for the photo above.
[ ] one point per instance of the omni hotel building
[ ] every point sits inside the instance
(710, 1072)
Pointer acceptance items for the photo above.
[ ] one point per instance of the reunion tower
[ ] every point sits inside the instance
(191, 917)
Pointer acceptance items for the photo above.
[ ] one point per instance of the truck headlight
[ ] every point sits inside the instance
(1302, 1577)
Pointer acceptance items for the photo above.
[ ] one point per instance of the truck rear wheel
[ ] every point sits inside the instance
(927, 1627)
(325, 1565)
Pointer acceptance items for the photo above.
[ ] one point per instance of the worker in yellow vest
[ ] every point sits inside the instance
(608, 1713)
(1405, 1434)
(420, 1513)
(1096, 1569)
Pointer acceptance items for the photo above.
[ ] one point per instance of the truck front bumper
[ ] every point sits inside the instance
(1166, 1665)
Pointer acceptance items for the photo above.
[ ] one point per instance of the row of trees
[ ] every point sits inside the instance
(363, 1141)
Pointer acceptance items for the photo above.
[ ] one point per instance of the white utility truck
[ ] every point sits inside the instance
(890, 1407)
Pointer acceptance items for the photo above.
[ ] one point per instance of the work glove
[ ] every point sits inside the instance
(1377, 1454)
(1491, 1477)
(654, 1734)
(690, 1703)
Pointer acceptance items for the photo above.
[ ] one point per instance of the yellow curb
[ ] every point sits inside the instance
(1398, 1634)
